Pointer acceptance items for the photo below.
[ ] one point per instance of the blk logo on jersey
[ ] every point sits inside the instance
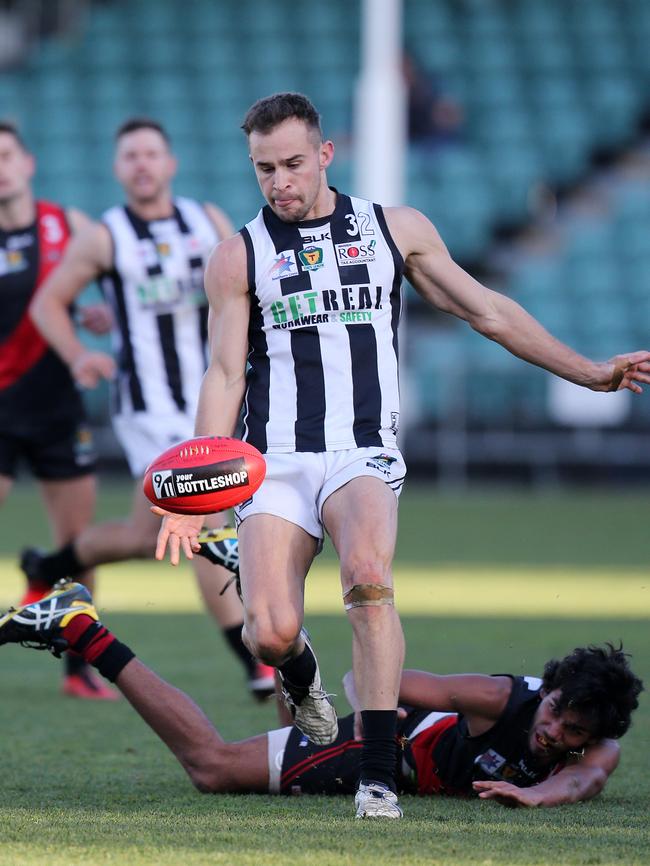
(355, 253)
(284, 266)
(311, 258)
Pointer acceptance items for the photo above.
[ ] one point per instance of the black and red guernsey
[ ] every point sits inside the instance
(438, 755)
(35, 385)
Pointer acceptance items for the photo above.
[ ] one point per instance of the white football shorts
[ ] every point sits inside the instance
(276, 743)
(296, 485)
(143, 436)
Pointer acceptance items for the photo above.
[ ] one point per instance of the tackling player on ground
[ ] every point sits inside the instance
(519, 740)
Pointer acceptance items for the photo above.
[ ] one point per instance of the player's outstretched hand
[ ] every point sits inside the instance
(506, 793)
(96, 318)
(625, 371)
(178, 532)
(91, 367)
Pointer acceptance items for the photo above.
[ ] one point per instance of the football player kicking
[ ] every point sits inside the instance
(522, 741)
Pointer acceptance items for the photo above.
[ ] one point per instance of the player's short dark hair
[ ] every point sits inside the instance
(597, 683)
(133, 124)
(267, 113)
(10, 128)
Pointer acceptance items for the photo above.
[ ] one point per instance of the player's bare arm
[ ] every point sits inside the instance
(222, 390)
(88, 254)
(445, 285)
(219, 220)
(480, 698)
(583, 777)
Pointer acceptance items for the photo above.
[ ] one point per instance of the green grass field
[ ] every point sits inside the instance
(484, 582)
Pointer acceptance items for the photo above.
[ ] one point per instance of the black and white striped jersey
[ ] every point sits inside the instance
(158, 298)
(323, 348)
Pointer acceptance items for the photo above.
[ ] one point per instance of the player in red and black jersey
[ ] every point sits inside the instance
(518, 740)
(42, 419)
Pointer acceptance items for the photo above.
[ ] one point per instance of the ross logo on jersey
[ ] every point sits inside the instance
(311, 258)
(355, 253)
(284, 266)
(164, 249)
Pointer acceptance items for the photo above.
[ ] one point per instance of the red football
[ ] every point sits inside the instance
(204, 475)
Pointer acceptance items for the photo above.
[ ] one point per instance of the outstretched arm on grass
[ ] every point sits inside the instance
(582, 779)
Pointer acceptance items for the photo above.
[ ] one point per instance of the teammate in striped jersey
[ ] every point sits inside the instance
(519, 740)
(42, 419)
(149, 256)
(306, 302)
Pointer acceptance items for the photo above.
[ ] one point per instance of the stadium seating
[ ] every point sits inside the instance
(543, 86)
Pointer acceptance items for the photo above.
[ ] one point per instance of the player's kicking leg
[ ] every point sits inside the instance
(361, 518)
(67, 620)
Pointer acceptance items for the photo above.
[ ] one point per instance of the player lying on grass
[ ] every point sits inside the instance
(519, 740)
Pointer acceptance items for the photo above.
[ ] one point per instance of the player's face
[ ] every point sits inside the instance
(290, 163)
(555, 732)
(16, 169)
(144, 165)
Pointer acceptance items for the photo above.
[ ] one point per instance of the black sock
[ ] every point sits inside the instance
(237, 645)
(298, 674)
(379, 752)
(62, 563)
(73, 664)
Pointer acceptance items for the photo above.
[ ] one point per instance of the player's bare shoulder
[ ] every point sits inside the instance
(92, 245)
(219, 220)
(226, 273)
(412, 231)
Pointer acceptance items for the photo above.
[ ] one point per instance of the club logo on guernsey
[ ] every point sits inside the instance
(284, 266)
(346, 304)
(311, 258)
(168, 483)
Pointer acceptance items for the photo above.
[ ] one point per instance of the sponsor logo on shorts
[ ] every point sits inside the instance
(168, 483)
(382, 463)
(84, 451)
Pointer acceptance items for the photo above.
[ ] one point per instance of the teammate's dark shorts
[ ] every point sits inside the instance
(62, 452)
(332, 769)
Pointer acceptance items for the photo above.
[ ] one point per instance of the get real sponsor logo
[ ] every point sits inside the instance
(355, 253)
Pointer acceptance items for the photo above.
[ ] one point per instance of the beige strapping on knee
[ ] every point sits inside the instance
(368, 595)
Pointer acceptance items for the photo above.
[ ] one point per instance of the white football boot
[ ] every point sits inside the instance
(314, 715)
(375, 800)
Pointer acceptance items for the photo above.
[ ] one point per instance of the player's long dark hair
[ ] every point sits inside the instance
(597, 683)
